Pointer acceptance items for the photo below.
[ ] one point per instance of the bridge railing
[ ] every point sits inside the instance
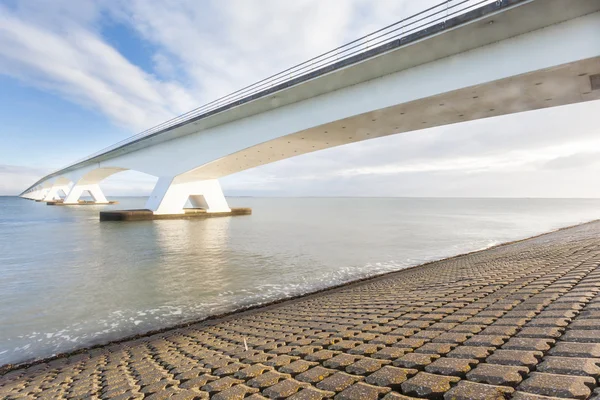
(324, 63)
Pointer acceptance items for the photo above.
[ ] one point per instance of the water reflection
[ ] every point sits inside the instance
(70, 281)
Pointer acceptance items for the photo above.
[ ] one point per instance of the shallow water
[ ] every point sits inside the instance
(68, 281)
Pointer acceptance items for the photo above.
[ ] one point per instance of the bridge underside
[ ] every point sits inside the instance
(478, 71)
(557, 86)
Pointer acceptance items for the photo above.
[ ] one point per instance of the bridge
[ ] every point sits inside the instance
(457, 61)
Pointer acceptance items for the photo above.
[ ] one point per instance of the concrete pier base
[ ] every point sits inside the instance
(79, 203)
(148, 215)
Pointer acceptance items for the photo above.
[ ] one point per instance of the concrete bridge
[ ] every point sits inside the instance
(455, 62)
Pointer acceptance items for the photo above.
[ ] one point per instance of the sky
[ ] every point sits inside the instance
(77, 76)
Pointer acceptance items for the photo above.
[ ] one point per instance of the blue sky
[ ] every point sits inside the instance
(77, 76)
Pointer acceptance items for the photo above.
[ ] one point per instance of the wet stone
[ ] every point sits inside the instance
(428, 385)
(576, 387)
(466, 390)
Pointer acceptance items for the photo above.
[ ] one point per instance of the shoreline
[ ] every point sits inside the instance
(6, 368)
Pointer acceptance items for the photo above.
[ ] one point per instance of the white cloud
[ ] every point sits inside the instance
(202, 49)
(76, 63)
(14, 179)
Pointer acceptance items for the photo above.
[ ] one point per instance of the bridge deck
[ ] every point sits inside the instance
(520, 318)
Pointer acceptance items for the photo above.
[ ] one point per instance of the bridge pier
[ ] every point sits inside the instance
(93, 189)
(53, 193)
(170, 196)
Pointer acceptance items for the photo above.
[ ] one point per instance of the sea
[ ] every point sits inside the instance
(68, 281)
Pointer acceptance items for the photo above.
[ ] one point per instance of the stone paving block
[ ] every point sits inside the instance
(411, 343)
(506, 375)
(524, 358)
(267, 379)
(338, 382)
(391, 353)
(280, 361)
(234, 392)
(397, 396)
(466, 390)
(528, 396)
(528, 306)
(451, 366)
(571, 366)
(583, 350)
(311, 393)
(528, 344)
(252, 371)
(582, 336)
(390, 376)
(428, 385)
(360, 391)
(283, 389)
(366, 366)
(477, 352)
(584, 324)
(541, 332)
(298, 367)
(486, 340)
(576, 387)
(315, 374)
(365, 349)
(221, 384)
(341, 361)
(415, 360)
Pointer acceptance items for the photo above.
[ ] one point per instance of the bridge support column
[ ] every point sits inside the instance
(170, 197)
(93, 189)
(53, 192)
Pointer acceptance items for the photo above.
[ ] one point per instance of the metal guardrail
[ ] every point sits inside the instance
(382, 40)
(431, 16)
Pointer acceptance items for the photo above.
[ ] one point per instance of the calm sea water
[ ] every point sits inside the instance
(68, 281)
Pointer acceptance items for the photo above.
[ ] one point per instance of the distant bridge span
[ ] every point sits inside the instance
(449, 64)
